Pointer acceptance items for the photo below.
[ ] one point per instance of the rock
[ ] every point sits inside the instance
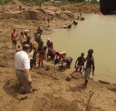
(104, 82)
(47, 68)
(68, 78)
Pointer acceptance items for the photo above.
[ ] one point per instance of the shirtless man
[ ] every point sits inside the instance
(90, 67)
(79, 64)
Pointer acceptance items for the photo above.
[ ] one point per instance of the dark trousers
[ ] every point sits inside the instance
(31, 63)
(14, 42)
(34, 58)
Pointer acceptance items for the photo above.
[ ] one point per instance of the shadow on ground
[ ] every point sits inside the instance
(11, 88)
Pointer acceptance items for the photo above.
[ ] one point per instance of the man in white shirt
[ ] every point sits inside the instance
(22, 65)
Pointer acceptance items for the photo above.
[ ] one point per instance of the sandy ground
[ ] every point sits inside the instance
(52, 94)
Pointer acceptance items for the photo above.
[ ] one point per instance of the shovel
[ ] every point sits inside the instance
(90, 95)
(55, 73)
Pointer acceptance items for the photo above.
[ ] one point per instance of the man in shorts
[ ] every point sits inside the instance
(79, 64)
(90, 67)
(42, 51)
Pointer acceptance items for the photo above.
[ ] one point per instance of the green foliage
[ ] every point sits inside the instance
(64, 3)
(77, 1)
(36, 1)
(5, 1)
(94, 1)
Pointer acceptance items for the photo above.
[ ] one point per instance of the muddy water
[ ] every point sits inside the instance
(97, 32)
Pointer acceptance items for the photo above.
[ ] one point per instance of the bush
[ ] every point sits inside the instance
(5, 1)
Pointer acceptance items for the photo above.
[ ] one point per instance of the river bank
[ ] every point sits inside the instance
(52, 94)
(87, 34)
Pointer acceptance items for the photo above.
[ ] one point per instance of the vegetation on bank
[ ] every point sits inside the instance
(36, 1)
(66, 2)
(58, 2)
(3, 2)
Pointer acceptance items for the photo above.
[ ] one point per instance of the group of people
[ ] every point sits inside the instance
(70, 24)
(78, 17)
(26, 58)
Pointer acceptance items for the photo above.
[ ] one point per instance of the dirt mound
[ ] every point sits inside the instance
(50, 3)
(6, 57)
(13, 6)
(54, 95)
(66, 15)
(54, 104)
(25, 15)
(38, 14)
(84, 8)
(15, 2)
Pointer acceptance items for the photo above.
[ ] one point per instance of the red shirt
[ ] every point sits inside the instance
(14, 35)
(49, 44)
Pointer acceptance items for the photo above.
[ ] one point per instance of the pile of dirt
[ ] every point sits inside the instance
(25, 15)
(54, 95)
(6, 57)
(66, 15)
(15, 2)
(83, 8)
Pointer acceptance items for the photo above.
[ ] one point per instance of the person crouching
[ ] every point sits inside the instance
(68, 61)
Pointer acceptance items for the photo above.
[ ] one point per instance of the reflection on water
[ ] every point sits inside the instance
(97, 32)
